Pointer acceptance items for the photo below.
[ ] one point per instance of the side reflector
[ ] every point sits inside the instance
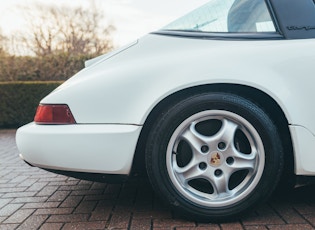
(54, 114)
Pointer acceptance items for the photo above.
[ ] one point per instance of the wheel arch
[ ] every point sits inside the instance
(262, 99)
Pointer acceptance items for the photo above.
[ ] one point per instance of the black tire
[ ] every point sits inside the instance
(214, 156)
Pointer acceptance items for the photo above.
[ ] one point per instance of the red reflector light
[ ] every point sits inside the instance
(54, 114)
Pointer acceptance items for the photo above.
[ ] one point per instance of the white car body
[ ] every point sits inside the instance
(267, 70)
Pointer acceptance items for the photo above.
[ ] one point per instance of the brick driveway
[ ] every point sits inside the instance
(31, 198)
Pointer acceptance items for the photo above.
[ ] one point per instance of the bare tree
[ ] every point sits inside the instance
(66, 30)
(3, 43)
(60, 39)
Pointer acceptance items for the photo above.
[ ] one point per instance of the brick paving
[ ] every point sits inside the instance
(31, 198)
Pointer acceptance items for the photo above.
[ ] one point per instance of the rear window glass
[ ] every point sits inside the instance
(232, 16)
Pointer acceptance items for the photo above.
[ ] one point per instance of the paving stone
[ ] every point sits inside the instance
(86, 207)
(53, 211)
(47, 191)
(8, 226)
(98, 186)
(18, 179)
(9, 185)
(85, 192)
(141, 224)
(51, 226)
(42, 205)
(120, 220)
(256, 227)
(52, 178)
(13, 189)
(100, 216)
(18, 194)
(44, 176)
(105, 205)
(75, 187)
(71, 201)
(19, 216)
(210, 227)
(157, 214)
(166, 223)
(85, 225)
(265, 214)
(68, 218)
(304, 209)
(8, 174)
(33, 222)
(86, 182)
(31, 198)
(9, 209)
(59, 196)
(37, 186)
(231, 226)
(310, 218)
(27, 183)
(113, 188)
(290, 227)
(64, 183)
(97, 197)
(290, 215)
(4, 202)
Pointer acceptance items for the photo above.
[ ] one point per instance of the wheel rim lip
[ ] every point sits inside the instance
(246, 188)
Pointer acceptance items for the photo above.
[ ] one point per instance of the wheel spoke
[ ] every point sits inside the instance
(220, 184)
(244, 161)
(227, 132)
(189, 172)
(193, 138)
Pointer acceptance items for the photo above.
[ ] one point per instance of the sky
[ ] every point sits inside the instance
(131, 18)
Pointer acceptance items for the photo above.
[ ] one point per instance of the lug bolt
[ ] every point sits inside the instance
(202, 165)
(230, 160)
(204, 148)
(218, 172)
(221, 145)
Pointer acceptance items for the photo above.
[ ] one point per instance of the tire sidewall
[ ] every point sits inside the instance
(164, 128)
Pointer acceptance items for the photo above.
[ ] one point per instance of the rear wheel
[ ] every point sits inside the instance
(213, 156)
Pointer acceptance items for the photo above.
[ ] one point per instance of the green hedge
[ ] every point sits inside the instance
(19, 100)
(55, 67)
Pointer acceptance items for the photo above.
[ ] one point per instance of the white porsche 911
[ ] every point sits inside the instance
(217, 106)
